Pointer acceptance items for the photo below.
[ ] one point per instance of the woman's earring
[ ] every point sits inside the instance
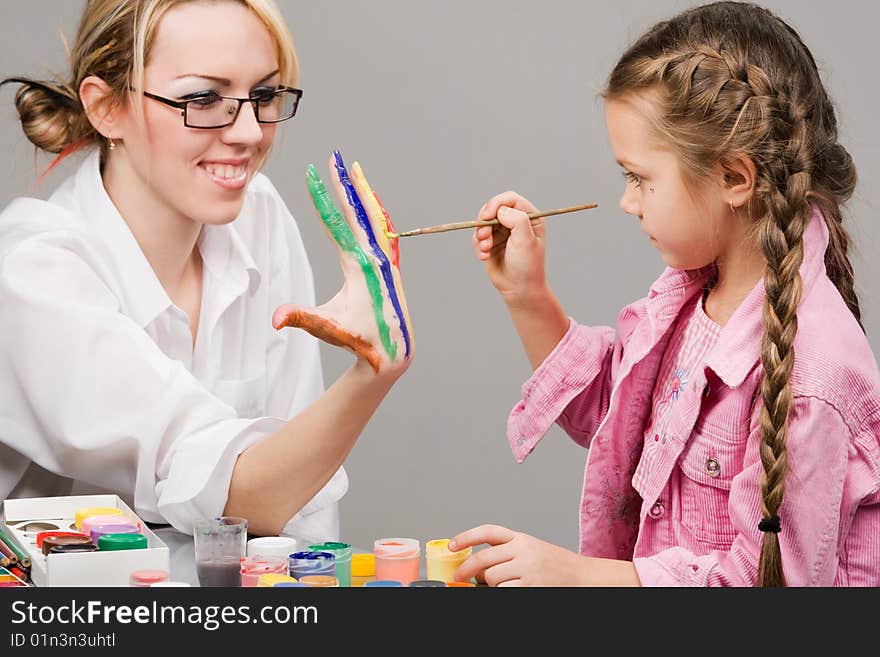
(111, 143)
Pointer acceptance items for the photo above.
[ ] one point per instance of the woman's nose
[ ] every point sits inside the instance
(246, 129)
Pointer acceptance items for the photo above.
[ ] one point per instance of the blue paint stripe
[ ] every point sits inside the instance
(384, 266)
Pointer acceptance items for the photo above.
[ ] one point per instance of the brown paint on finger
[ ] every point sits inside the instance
(331, 333)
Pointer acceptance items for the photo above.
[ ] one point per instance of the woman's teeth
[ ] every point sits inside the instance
(226, 171)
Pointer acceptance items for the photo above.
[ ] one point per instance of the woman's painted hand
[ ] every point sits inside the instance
(513, 250)
(368, 316)
(517, 559)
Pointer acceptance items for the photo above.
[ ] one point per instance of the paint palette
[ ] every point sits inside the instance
(26, 518)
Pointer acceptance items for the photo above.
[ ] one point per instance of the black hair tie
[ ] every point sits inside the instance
(770, 525)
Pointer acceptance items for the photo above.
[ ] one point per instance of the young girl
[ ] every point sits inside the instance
(143, 306)
(733, 422)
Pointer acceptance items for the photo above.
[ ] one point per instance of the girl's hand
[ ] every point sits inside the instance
(368, 316)
(513, 250)
(517, 559)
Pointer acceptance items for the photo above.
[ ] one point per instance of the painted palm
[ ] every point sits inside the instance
(368, 315)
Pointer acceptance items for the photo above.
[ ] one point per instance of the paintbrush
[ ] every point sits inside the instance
(442, 228)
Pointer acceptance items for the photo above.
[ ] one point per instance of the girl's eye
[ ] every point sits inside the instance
(632, 179)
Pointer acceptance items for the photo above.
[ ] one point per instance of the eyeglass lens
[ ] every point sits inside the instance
(214, 112)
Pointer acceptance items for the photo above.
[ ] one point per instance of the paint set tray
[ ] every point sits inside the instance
(25, 518)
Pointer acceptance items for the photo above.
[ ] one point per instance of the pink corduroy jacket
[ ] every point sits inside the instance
(684, 506)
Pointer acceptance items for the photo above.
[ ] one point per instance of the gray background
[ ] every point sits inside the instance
(446, 104)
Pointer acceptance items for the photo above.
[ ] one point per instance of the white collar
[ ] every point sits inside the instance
(224, 253)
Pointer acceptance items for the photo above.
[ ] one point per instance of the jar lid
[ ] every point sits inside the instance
(271, 579)
(122, 542)
(319, 580)
(342, 551)
(363, 564)
(147, 577)
(71, 548)
(396, 548)
(57, 541)
(44, 535)
(82, 514)
(384, 582)
(427, 583)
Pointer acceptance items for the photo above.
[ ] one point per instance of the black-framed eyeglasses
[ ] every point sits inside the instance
(211, 110)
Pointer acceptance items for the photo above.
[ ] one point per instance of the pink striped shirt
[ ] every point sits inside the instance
(682, 500)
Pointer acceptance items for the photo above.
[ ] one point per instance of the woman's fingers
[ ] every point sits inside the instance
(346, 187)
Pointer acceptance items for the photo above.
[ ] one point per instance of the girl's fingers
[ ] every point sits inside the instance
(491, 534)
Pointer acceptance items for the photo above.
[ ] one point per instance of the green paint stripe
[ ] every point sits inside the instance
(341, 233)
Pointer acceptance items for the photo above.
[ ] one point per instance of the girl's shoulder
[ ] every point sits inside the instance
(834, 360)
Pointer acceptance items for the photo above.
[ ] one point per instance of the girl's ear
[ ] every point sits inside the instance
(739, 175)
(101, 109)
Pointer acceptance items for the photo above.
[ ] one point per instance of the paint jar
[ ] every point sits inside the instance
(397, 559)
(91, 522)
(342, 559)
(440, 562)
(97, 531)
(44, 535)
(145, 578)
(72, 548)
(272, 546)
(461, 584)
(254, 566)
(220, 545)
(312, 563)
(383, 582)
(112, 542)
(271, 579)
(427, 583)
(168, 583)
(82, 514)
(56, 541)
(289, 585)
(319, 581)
(363, 568)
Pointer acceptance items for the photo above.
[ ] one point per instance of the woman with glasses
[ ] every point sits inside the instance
(151, 308)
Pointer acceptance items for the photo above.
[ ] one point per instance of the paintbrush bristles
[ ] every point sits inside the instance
(442, 228)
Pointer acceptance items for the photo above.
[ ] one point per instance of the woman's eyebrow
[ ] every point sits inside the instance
(223, 81)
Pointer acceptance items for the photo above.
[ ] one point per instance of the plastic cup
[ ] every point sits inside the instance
(254, 566)
(272, 579)
(441, 563)
(312, 563)
(272, 546)
(220, 545)
(397, 559)
(342, 562)
(363, 568)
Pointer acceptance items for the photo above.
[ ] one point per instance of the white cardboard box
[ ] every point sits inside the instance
(111, 568)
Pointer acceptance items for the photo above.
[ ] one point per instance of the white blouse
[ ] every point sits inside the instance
(101, 388)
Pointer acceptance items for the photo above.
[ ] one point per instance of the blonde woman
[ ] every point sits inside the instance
(145, 306)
